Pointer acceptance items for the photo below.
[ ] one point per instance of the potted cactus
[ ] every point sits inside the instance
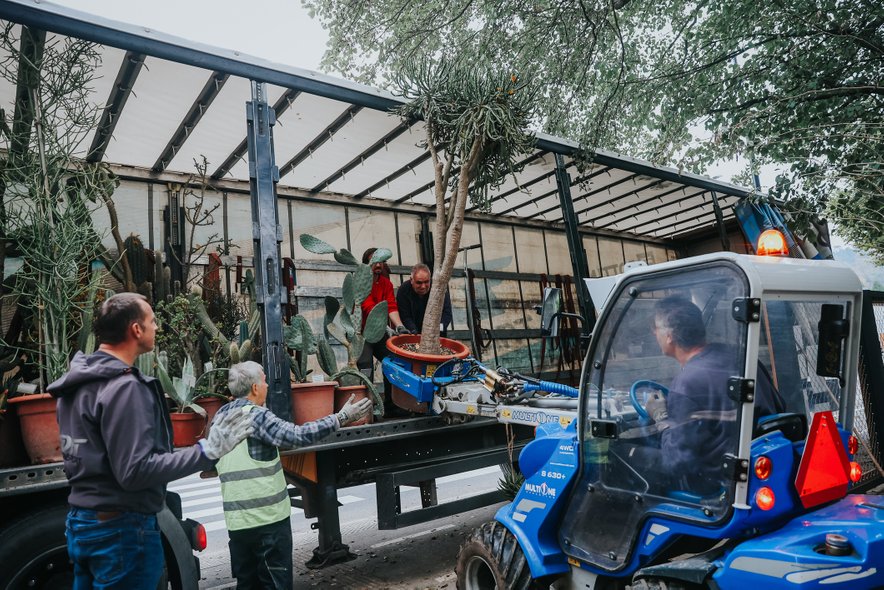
(344, 322)
(311, 400)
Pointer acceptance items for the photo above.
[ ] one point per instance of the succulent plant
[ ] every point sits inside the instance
(344, 322)
(300, 338)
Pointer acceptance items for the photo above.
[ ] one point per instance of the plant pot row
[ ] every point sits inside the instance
(29, 431)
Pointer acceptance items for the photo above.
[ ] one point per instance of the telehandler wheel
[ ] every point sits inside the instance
(491, 559)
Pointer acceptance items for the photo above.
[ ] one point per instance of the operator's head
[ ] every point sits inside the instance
(126, 317)
(678, 324)
(420, 278)
(378, 268)
(246, 379)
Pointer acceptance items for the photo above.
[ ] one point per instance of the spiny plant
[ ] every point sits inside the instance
(344, 322)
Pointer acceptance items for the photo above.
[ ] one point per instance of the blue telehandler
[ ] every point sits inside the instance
(660, 472)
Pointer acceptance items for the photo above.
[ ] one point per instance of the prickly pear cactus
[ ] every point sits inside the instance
(344, 322)
(299, 337)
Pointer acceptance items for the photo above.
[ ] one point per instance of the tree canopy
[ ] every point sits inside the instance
(686, 83)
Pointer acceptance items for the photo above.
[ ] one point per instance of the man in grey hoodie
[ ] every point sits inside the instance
(116, 439)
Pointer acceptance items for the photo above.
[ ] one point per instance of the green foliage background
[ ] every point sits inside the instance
(795, 83)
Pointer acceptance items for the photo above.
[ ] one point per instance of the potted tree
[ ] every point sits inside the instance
(476, 122)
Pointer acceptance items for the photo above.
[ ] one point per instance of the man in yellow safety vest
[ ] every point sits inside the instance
(253, 488)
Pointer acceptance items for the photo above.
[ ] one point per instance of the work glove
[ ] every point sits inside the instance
(351, 412)
(656, 407)
(230, 429)
(401, 329)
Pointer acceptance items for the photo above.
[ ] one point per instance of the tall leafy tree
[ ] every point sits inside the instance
(796, 83)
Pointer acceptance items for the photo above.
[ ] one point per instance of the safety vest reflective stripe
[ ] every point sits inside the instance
(253, 503)
(250, 473)
(254, 492)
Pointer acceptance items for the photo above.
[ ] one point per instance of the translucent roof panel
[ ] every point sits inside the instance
(334, 135)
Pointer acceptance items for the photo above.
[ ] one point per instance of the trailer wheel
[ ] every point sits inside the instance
(39, 556)
(492, 559)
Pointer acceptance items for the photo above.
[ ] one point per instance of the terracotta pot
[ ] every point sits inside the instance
(211, 405)
(311, 401)
(187, 428)
(342, 394)
(39, 427)
(12, 449)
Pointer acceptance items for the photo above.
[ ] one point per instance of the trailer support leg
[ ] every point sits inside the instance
(331, 548)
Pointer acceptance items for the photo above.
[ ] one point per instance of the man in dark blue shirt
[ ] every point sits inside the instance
(701, 417)
(412, 299)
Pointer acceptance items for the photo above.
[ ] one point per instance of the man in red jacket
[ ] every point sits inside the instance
(381, 290)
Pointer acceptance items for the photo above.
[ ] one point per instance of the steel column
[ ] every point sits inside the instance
(267, 235)
(575, 245)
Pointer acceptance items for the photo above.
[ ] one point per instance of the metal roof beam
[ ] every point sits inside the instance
(673, 224)
(623, 196)
(122, 88)
(634, 205)
(391, 177)
(579, 180)
(31, 46)
(525, 162)
(707, 217)
(675, 202)
(367, 153)
(325, 135)
(281, 105)
(587, 195)
(631, 228)
(203, 101)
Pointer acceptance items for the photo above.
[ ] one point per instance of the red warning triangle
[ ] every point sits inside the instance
(823, 472)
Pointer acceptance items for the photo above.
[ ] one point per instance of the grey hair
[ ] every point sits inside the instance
(420, 266)
(242, 376)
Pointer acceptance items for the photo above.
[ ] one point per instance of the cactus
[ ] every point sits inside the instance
(137, 258)
(344, 323)
(159, 273)
(299, 337)
(87, 314)
(146, 363)
(240, 352)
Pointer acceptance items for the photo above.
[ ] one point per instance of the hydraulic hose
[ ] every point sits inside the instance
(552, 387)
(556, 402)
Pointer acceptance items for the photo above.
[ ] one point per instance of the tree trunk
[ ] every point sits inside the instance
(446, 252)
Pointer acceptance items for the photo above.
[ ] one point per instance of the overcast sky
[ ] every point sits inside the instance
(278, 30)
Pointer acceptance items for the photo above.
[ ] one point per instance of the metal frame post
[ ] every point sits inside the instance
(579, 263)
(267, 235)
(719, 221)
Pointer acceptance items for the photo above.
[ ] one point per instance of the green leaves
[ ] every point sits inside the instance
(380, 255)
(376, 323)
(345, 257)
(361, 285)
(326, 357)
(315, 245)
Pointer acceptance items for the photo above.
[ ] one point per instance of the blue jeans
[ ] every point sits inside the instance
(124, 551)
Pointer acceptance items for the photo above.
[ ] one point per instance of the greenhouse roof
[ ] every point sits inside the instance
(166, 101)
